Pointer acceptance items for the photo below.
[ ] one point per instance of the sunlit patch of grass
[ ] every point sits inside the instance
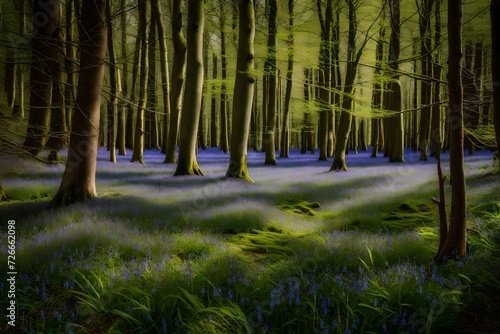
(31, 193)
(300, 207)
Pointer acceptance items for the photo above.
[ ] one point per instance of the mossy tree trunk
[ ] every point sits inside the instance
(285, 128)
(271, 71)
(43, 54)
(151, 131)
(243, 93)
(137, 154)
(78, 181)
(495, 69)
(456, 238)
(178, 74)
(187, 164)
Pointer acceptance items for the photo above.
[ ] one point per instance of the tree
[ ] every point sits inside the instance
(426, 88)
(137, 154)
(285, 132)
(115, 82)
(178, 73)
(224, 99)
(271, 72)
(324, 76)
(191, 104)
(78, 181)
(495, 69)
(392, 97)
(243, 93)
(44, 54)
(454, 240)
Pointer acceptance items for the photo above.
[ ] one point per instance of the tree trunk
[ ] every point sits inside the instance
(115, 83)
(137, 154)
(345, 115)
(426, 84)
(3, 194)
(495, 69)
(224, 99)
(129, 138)
(151, 135)
(456, 238)
(191, 105)
(243, 93)
(165, 80)
(57, 138)
(78, 181)
(44, 52)
(178, 74)
(392, 98)
(285, 129)
(271, 71)
(436, 135)
(213, 111)
(18, 110)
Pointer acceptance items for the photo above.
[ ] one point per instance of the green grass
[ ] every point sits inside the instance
(91, 268)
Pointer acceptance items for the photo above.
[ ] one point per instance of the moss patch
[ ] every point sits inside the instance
(299, 207)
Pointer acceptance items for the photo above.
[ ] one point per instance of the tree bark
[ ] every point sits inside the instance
(392, 98)
(456, 238)
(285, 128)
(115, 83)
(426, 84)
(43, 54)
(224, 99)
(243, 93)
(137, 154)
(78, 181)
(165, 80)
(187, 164)
(213, 105)
(436, 133)
(178, 74)
(271, 71)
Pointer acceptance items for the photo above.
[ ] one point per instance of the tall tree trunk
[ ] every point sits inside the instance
(243, 93)
(44, 52)
(19, 105)
(137, 154)
(377, 92)
(285, 129)
(78, 181)
(115, 83)
(57, 138)
(187, 164)
(436, 141)
(345, 115)
(426, 84)
(271, 71)
(495, 69)
(324, 77)
(130, 135)
(392, 97)
(151, 133)
(224, 99)
(121, 132)
(165, 80)
(178, 74)
(70, 88)
(201, 123)
(213, 105)
(456, 238)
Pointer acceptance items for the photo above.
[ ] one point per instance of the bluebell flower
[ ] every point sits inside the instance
(163, 326)
(384, 328)
(42, 314)
(209, 317)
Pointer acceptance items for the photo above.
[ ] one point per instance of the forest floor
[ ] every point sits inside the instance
(301, 250)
